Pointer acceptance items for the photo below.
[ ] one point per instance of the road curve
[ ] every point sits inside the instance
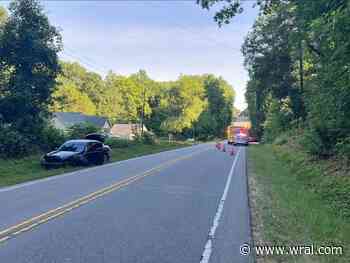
(165, 207)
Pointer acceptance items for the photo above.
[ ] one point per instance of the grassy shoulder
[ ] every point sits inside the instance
(296, 202)
(14, 171)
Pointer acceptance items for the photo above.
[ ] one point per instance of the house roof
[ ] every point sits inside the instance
(70, 118)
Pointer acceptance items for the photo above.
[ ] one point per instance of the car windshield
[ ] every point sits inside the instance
(72, 147)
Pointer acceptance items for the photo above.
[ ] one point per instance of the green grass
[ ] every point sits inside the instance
(16, 171)
(298, 203)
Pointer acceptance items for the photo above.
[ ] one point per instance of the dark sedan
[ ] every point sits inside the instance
(76, 152)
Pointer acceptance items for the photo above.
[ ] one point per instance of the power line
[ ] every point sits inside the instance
(88, 66)
(86, 59)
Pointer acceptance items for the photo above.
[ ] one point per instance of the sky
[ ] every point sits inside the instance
(165, 38)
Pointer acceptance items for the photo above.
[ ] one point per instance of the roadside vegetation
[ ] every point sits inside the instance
(298, 201)
(27, 168)
(298, 95)
(34, 84)
(298, 60)
(14, 171)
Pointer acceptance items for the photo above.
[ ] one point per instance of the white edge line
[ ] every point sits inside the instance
(59, 176)
(209, 244)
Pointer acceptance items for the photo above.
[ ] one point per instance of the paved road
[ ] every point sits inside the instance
(187, 205)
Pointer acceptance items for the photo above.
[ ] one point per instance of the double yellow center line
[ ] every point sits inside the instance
(47, 216)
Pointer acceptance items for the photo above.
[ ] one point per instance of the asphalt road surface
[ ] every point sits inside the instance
(186, 205)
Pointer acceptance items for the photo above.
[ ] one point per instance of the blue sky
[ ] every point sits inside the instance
(166, 38)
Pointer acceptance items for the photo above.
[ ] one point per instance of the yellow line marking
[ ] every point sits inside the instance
(51, 214)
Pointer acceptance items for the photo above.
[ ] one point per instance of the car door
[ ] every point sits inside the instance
(94, 152)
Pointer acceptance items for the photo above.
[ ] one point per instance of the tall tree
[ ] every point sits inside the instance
(298, 61)
(231, 8)
(185, 103)
(122, 98)
(68, 98)
(146, 86)
(89, 83)
(218, 112)
(28, 51)
(3, 15)
(4, 73)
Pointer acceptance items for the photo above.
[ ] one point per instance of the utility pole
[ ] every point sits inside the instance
(143, 108)
(194, 132)
(143, 80)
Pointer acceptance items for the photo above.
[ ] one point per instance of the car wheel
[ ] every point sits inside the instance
(106, 157)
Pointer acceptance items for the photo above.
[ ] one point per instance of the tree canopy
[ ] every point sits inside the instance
(34, 83)
(3, 15)
(297, 55)
(28, 78)
(165, 107)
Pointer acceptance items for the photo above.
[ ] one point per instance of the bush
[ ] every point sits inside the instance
(277, 120)
(281, 139)
(343, 148)
(14, 144)
(146, 138)
(79, 131)
(149, 138)
(314, 143)
(118, 143)
(52, 138)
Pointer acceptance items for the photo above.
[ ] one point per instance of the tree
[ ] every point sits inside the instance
(185, 103)
(146, 86)
(32, 75)
(68, 98)
(3, 15)
(202, 103)
(297, 56)
(122, 98)
(217, 114)
(158, 103)
(4, 73)
(231, 8)
(89, 83)
(267, 45)
(220, 98)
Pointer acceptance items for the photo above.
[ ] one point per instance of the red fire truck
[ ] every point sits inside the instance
(237, 135)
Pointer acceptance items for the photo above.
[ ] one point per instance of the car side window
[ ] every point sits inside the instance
(94, 146)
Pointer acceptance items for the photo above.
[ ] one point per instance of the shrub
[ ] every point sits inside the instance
(146, 138)
(277, 120)
(282, 139)
(149, 138)
(14, 144)
(52, 138)
(343, 148)
(118, 143)
(79, 131)
(314, 143)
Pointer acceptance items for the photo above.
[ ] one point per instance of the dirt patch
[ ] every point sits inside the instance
(256, 199)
